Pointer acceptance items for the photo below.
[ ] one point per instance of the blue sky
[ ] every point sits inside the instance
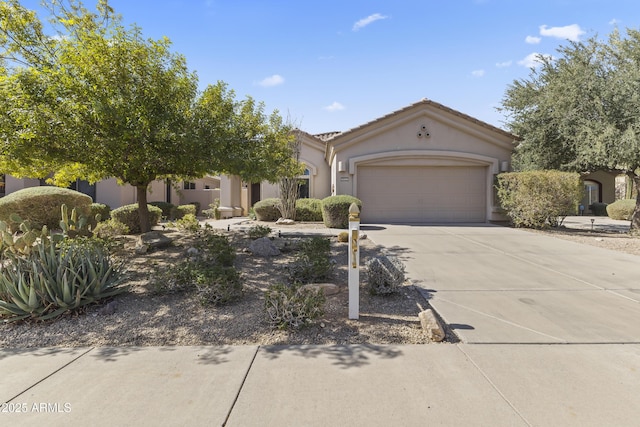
(333, 65)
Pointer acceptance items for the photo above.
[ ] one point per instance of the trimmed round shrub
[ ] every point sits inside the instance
(128, 215)
(182, 210)
(621, 209)
(267, 210)
(110, 228)
(41, 205)
(598, 209)
(167, 208)
(335, 210)
(309, 210)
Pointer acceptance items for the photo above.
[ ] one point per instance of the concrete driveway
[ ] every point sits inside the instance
(499, 285)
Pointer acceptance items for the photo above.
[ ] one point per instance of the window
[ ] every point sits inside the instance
(591, 192)
(303, 185)
(188, 185)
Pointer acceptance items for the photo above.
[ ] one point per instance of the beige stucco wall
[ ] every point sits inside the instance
(312, 154)
(452, 140)
(14, 184)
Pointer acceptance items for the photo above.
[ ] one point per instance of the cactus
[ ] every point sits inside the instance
(72, 226)
(23, 244)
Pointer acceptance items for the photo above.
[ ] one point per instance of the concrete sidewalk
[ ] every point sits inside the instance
(357, 385)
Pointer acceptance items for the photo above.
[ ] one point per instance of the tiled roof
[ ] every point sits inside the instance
(327, 135)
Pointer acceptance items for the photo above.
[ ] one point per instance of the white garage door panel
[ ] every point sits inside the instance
(422, 194)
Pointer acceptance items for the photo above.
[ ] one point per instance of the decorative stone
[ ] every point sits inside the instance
(192, 252)
(431, 325)
(264, 247)
(327, 288)
(141, 249)
(282, 221)
(153, 240)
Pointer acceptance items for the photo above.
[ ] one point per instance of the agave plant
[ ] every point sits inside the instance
(54, 279)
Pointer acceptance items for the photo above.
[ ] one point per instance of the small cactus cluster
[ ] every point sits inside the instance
(23, 244)
(73, 226)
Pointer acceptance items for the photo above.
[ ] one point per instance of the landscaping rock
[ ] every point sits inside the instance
(141, 249)
(282, 221)
(264, 247)
(327, 288)
(431, 325)
(153, 240)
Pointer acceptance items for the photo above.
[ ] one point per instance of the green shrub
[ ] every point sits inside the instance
(214, 247)
(182, 210)
(217, 285)
(98, 209)
(621, 209)
(598, 209)
(384, 275)
(335, 210)
(167, 209)
(309, 210)
(210, 274)
(312, 262)
(538, 199)
(267, 209)
(53, 280)
(188, 222)
(258, 231)
(128, 215)
(343, 236)
(110, 228)
(41, 205)
(293, 306)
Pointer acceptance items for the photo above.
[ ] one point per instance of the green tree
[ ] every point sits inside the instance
(579, 111)
(98, 100)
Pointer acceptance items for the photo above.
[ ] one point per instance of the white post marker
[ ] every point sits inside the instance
(354, 261)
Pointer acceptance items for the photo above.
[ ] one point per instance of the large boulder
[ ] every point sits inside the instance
(152, 240)
(264, 247)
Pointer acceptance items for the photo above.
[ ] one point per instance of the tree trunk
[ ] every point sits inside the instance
(635, 218)
(143, 209)
(288, 197)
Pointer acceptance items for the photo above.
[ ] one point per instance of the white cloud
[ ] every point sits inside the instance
(569, 32)
(614, 21)
(271, 81)
(477, 73)
(368, 20)
(532, 40)
(533, 60)
(336, 106)
(504, 64)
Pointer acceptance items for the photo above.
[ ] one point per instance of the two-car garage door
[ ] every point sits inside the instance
(423, 194)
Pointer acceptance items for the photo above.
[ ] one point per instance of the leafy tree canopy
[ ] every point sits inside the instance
(579, 111)
(96, 100)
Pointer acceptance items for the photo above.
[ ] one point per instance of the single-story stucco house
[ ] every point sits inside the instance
(425, 163)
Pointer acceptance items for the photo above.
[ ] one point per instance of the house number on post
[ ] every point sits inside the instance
(354, 261)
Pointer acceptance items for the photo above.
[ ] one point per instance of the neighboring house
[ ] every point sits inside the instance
(203, 191)
(423, 163)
